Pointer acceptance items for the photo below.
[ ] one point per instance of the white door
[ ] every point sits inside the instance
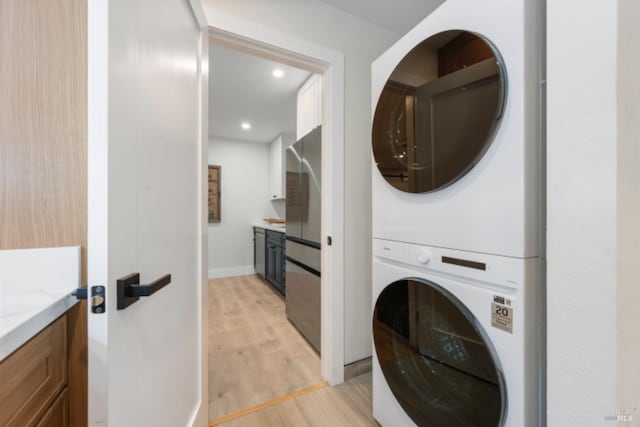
(146, 211)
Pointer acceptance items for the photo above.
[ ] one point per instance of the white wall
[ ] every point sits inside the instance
(361, 42)
(581, 212)
(244, 199)
(628, 208)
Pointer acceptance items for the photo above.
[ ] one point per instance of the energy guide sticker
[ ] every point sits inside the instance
(501, 316)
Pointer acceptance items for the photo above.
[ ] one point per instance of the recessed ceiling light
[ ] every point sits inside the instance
(245, 125)
(278, 73)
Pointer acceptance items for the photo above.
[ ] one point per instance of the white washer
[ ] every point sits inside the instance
(483, 197)
(457, 338)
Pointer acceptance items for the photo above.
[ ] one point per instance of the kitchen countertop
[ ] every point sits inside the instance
(280, 228)
(35, 289)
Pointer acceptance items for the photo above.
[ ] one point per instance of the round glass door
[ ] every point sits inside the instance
(436, 358)
(438, 112)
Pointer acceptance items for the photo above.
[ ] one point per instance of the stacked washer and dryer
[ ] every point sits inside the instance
(458, 289)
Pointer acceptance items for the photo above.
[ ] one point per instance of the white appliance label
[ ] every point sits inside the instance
(502, 317)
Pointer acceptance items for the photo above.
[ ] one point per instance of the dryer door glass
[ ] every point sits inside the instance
(436, 358)
(438, 112)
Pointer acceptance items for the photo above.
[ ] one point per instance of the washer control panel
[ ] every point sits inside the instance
(497, 269)
(423, 256)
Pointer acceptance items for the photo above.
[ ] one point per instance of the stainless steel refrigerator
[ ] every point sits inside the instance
(302, 279)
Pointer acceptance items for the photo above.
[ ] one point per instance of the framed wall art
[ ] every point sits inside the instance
(214, 194)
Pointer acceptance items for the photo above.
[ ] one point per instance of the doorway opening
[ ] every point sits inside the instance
(327, 66)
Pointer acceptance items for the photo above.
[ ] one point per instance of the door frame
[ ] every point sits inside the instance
(201, 417)
(248, 37)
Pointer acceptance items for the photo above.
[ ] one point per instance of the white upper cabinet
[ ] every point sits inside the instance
(309, 107)
(277, 174)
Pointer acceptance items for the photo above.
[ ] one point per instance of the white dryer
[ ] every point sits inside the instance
(457, 338)
(457, 135)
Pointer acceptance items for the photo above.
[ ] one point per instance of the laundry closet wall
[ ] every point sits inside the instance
(592, 215)
(628, 207)
(361, 42)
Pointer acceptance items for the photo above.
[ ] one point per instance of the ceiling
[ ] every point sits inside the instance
(398, 16)
(243, 88)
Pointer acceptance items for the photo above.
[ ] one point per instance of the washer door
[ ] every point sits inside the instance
(436, 358)
(438, 112)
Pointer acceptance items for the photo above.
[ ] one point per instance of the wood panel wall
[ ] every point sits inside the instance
(43, 145)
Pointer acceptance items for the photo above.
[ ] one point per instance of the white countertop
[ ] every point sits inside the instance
(35, 289)
(23, 315)
(281, 228)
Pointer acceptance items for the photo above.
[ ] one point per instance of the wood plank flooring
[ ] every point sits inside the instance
(348, 404)
(255, 354)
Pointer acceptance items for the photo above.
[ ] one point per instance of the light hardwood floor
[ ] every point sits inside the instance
(255, 354)
(348, 404)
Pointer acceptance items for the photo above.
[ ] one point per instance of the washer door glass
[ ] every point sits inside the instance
(436, 359)
(438, 112)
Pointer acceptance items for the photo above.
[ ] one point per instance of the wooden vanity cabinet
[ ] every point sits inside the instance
(33, 391)
(58, 413)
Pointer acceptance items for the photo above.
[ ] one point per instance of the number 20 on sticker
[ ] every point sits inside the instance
(502, 311)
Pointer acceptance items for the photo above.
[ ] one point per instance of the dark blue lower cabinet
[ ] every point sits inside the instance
(259, 245)
(275, 260)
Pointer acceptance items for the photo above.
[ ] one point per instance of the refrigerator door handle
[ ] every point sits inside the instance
(304, 267)
(304, 242)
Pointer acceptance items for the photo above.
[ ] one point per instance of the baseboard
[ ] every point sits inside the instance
(357, 368)
(217, 273)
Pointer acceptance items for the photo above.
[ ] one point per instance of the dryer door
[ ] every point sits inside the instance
(438, 112)
(436, 358)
